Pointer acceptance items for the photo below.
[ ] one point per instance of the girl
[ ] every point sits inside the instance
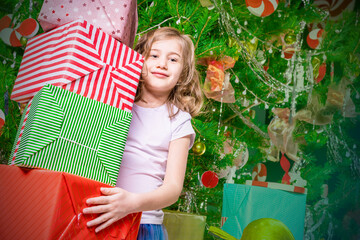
(154, 161)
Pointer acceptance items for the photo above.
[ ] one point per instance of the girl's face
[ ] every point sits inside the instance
(162, 69)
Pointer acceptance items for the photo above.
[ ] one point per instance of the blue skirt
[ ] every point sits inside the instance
(152, 232)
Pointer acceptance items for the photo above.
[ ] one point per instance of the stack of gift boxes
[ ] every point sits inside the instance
(79, 84)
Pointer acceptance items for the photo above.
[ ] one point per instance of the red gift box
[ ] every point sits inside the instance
(82, 59)
(43, 204)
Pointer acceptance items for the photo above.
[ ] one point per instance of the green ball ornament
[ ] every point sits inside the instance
(199, 148)
(23, 41)
(267, 229)
(290, 38)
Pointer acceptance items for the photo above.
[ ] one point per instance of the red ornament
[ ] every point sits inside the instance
(209, 179)
(285, 165)
(262, 8)
(11, 36)
(322, 72)
(259, 172)
(314, 38)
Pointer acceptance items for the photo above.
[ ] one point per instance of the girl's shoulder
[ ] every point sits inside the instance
(179, 114)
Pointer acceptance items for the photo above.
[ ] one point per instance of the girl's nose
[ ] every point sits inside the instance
(162, 63)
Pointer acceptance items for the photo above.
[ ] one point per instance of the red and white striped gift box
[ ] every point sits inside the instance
(82, 59)
(280, 186)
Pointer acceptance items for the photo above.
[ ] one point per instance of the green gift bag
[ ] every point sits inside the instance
(180, 225)
(64, 131)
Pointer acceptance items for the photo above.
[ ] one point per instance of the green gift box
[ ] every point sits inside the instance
(181, 225)
(66, 132)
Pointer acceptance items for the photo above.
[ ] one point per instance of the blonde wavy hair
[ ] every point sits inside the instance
(187, 94)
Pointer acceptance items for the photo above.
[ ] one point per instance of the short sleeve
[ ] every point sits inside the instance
(181, 127)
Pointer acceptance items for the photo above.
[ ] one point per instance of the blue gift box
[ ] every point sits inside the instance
(243, 204)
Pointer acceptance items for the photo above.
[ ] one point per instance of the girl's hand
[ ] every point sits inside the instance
(114, 205)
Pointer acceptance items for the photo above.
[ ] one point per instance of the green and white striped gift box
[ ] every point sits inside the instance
(67, 132)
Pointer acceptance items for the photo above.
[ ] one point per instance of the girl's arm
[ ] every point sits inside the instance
(117, 203)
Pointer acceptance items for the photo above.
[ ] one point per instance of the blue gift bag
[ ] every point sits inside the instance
(243, 204)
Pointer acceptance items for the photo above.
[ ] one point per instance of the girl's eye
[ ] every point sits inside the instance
(153, 55)
(173, 59)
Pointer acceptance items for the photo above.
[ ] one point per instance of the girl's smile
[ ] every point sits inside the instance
(159, 74)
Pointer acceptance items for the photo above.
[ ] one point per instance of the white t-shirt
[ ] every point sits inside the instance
(144, 161)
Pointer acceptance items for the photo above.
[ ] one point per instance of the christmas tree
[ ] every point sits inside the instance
(279, 81)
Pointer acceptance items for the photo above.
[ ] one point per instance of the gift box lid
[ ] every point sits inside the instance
(280, 186)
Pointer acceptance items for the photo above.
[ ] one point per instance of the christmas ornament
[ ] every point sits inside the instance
(240, 154)
(335, 97)
(199, 148)
(260, 57)
(239, 151)
(321, 72)
(319, 69)
(23, 41)
(280, 131)
(5, 22)
(259, 172)
(262, 8)
(251, 47)
(267, 229)
(288, 50)
(232, 42)
(315, 113)
(290, 38)
(209, 179)
(335, 8)
(217, 84)
(319, 114)
(314, 38)
(11, 35)
(216, 70)
(285, 164)
(2, 119)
